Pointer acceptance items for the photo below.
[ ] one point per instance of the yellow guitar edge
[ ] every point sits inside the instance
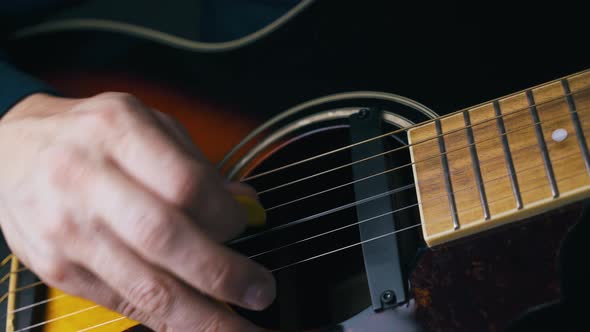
(69, 313)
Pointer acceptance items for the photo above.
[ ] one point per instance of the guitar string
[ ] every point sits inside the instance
(77, 312)
(360, 222)
(557, 99)
(405, 146)
(390, 170)
(30, 306)
(102, 324)
(396, 168)
(305, 219)
(397, 131)
(407, 228)
(346, 206)
(318, 235)
(435, 198)
(295, 263)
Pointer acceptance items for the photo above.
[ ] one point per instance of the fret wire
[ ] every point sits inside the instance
(299, 221)
(476, 166)
(495, 117)
(378, 216)
(542, 144)
(512, 174)
(404, 229)
(447, 174)
(321, 155)
(507, 154)
(12, 289)
(577, 111)
(577, 125)
(435, 198)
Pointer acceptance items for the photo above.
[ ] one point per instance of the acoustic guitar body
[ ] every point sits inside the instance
(224, 99)
(481, 284)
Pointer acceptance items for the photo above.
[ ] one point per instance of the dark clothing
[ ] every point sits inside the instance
(224, 20)
(15, 85)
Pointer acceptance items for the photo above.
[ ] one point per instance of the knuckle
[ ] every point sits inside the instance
(118, 100)
(155, 232)
(153, 296)
(61, 227)
(185, 183)
(111, 110)
(127, 309)
(107, 117)
(66, 166)
(225, 212)
(54, 272)
(115, 95)
(216, 275)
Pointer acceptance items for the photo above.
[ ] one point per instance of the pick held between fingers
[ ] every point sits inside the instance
(162, 235)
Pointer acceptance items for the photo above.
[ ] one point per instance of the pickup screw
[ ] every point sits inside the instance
(388, 297)
(363, 113)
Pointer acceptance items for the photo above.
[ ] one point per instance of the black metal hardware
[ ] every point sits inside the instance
(384, 262)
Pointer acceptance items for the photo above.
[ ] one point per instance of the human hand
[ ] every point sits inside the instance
(109, 200)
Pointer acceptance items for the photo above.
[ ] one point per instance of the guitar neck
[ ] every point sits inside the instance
(503, 161)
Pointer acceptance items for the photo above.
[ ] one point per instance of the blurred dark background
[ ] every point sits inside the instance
(445, 54)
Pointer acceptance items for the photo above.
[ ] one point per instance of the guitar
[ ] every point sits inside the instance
(356, 185)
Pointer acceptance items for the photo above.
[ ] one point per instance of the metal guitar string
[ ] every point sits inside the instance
(538, 104)
(401, 209)
(400, 130)
(337, 208)
(409, 164)
(276, 269)
(305, 219)
(86, 329)
(5, 261)
(317, 256)
(420, 223)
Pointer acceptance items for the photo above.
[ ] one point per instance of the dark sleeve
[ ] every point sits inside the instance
(15, 85)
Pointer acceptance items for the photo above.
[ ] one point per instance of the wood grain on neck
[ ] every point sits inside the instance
(497, 163)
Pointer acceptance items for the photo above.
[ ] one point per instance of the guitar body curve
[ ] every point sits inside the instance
(440, 279)
(465, 286)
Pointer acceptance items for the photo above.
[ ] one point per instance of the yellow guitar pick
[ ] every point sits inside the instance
(255, 211)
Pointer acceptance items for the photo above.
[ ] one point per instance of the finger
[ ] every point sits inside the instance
(241, 189)
(147, 292)
(178, 132)
(164, 236)
(84, 284)
(243, 193)
(183, 179)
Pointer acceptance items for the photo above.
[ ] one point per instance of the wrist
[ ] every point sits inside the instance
(38, 104)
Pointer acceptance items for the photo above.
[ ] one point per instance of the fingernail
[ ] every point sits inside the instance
(260, 295)
(255, 211)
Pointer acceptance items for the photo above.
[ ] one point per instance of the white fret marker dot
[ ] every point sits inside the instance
(559, 135)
